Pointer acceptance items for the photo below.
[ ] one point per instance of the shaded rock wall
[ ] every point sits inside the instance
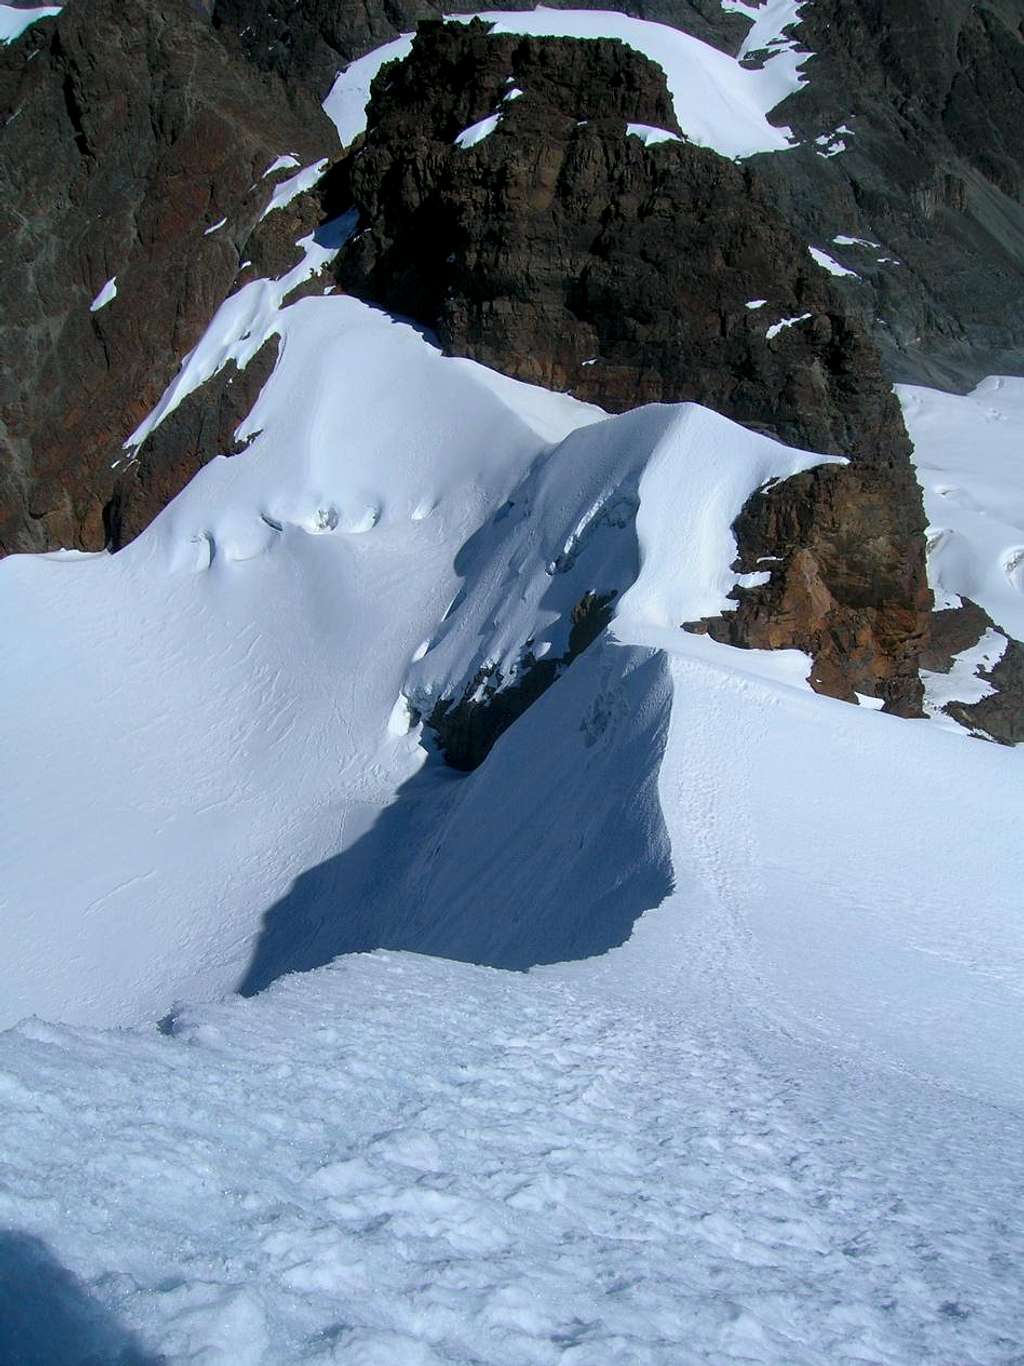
(309, 41)
(933, 171)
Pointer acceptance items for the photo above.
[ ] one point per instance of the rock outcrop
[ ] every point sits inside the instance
(563, 251)
(129, 135)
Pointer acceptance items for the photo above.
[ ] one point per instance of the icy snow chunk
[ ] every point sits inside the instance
(400, 721)
(106, 295)
(755, 303)
(476, 132)
(843, 241)
(718, 102)
(295, 185)
(650, 136)
(831, 144)
(872, 703)
(483, 128)
(830, 264)
(14, 22)
(283, 163)
(216, 227)
(783, 323)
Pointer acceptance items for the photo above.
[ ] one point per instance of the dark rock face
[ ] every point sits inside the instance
(309, 41)
(933, 172)
(568, 254)
(129, 133)
(468, 727)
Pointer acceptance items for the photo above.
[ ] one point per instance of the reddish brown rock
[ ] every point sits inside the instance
(132, 131)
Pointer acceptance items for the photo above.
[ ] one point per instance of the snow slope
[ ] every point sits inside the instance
(216, 713)
(782, 1124)
(718, 102)
(205, 715)
(969, 453)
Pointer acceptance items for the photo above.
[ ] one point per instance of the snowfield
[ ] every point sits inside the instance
(400, 1160)
(781, 1124)
(970, 462)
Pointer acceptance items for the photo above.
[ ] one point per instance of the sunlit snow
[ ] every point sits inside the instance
(650, 136)
(106, 295)
(295, 185)
(785, 323)
(969, 453)
(476, 132)
(830, 263)
(14, 22)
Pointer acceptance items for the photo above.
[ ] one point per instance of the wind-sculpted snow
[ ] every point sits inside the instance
(718, 102)
(551, 850)
(568, 535)
(252, 654)
(968, 453)
(224, 685)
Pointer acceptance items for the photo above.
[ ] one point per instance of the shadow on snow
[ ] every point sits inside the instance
(48, 1318)
(549, 851)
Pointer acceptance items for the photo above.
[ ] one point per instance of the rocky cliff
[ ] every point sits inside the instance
(130, 133)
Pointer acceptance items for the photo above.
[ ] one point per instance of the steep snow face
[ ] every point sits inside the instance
(202, 717)
(718, 102)
(571, 527)
(969, 453)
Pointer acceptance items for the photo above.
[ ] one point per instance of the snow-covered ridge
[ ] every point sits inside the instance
(276, 566)
(602, 514)
(719, 102)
